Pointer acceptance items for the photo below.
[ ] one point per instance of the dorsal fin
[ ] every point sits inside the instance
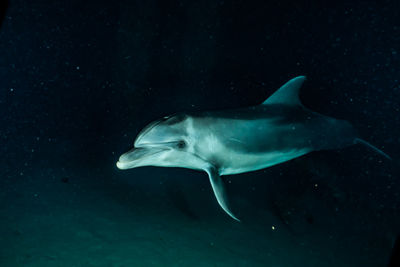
(288, 94)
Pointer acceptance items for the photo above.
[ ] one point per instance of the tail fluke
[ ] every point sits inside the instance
(377, 150)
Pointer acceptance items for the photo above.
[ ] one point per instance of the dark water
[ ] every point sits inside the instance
(80, 79)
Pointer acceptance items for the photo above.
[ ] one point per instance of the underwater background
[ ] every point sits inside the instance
(80, 79)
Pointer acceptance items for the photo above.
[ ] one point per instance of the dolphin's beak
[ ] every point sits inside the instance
(137, 157)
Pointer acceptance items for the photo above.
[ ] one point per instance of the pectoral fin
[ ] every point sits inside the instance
(219, 191)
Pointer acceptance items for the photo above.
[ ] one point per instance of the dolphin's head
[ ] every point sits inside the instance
(162, 143)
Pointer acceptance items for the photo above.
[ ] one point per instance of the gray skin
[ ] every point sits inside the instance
(239, 140)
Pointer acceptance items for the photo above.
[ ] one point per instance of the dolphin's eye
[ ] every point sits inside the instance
(181, 144)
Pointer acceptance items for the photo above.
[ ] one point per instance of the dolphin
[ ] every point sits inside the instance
(240, 140)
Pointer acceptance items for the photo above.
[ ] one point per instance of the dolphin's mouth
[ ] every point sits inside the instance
(134, 157)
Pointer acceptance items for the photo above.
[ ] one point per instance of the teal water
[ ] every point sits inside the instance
(79, 80)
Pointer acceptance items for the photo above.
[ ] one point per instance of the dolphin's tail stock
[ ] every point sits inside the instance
(374, 148)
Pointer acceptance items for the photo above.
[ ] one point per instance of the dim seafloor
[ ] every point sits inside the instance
(78, 221)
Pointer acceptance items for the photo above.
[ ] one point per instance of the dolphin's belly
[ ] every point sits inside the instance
(234, 163)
